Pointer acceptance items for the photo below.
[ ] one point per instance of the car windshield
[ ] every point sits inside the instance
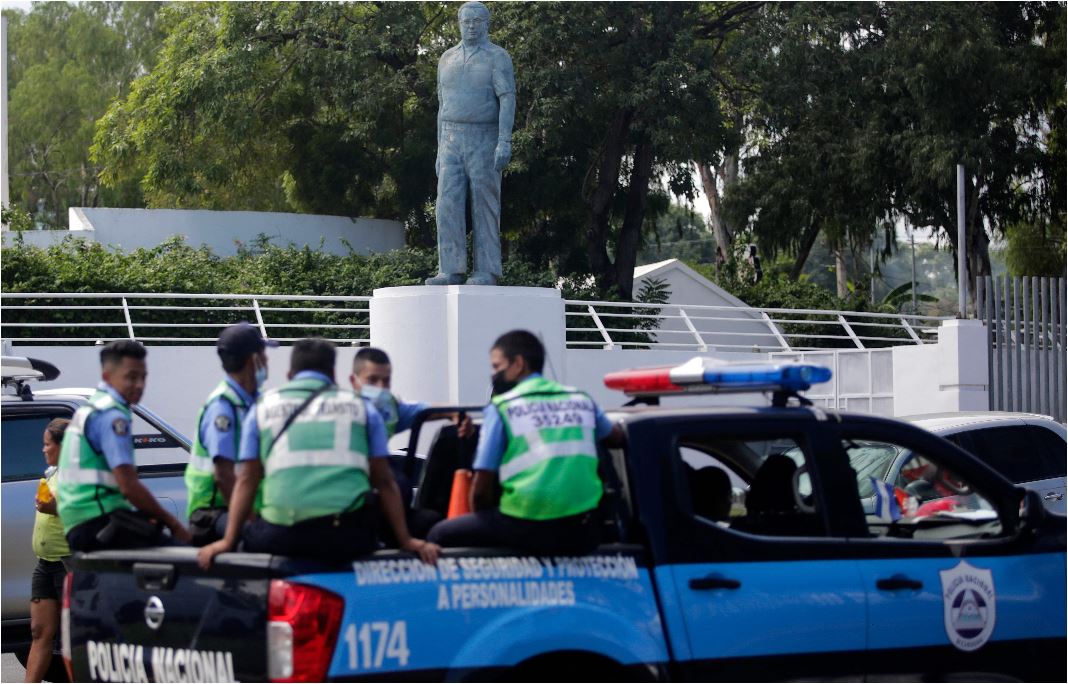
(868, 459)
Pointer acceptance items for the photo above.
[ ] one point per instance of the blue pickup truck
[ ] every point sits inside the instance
(736, 548)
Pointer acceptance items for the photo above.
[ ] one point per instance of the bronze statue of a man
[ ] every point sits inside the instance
(476, 110)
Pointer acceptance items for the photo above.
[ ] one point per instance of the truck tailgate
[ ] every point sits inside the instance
(154, 615)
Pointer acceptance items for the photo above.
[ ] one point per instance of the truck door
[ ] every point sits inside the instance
(955, 582)
(761, 584)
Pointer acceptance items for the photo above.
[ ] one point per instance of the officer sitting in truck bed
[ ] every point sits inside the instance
(97, 476)
(318, 450)
(539, 442)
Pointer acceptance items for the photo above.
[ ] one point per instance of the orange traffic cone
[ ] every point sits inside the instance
(459, 502)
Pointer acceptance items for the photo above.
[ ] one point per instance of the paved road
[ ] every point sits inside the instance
(10, 670)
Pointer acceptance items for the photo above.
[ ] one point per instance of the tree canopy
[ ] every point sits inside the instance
(67, 63)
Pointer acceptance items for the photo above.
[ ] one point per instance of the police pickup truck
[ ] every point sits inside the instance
(737, 547)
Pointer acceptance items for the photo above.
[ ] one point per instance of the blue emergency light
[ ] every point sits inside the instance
(705, 375)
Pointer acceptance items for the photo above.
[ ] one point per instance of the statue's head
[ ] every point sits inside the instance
(474, 20)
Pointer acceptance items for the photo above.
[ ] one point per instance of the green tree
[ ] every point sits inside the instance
(311, 107)
(973, 83)
(856, 115)
(615, 100)
(66, 63)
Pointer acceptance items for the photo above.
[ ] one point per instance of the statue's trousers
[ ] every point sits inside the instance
(465, 163)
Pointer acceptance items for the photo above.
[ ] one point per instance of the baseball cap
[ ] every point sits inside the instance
(242, 339)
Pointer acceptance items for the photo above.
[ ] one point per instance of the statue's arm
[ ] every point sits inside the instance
(504, 85)
(507, 118)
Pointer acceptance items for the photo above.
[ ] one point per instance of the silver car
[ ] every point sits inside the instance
(160, 450)
(1028, 449)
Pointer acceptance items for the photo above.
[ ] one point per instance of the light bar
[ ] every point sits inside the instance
(710, 376)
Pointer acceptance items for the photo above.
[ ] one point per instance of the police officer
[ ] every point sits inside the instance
(371, 377)
(539, 444)
(318, 450)
(97, 477)
(209, 477)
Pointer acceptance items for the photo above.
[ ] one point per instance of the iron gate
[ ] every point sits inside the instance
(1025, 323)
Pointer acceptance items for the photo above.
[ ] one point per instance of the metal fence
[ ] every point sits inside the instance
(615, 325)
(1026, 323)
(179, 318)
(197, 318)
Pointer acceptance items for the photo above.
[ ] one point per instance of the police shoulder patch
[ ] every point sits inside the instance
(120, 426)
(222, 423)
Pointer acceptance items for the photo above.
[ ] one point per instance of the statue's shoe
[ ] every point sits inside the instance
(478, 278)
(446, 279)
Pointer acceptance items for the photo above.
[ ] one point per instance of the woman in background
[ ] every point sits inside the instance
(50, 546)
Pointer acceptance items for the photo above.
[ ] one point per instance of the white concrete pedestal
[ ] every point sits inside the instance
(439, 338)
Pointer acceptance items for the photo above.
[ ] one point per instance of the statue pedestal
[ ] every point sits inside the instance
(439, 338)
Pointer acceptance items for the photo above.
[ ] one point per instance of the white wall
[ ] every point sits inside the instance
(222, 230)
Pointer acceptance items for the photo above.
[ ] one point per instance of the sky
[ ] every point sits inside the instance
(23, 5)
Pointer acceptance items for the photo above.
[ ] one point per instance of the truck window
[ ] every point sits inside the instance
(917, 497)
(21, 447)
(753, 485)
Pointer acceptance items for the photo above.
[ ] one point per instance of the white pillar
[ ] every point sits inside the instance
(962, 364)
(949, 376)
(438, 338)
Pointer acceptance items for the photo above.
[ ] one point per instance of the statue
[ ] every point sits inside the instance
(476, 110)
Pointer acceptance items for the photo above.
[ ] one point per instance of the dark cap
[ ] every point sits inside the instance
(241, 339)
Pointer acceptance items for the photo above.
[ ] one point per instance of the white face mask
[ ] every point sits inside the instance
(261, 376)
(381, 399)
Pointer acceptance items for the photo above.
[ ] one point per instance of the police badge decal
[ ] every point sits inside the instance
(969, 605)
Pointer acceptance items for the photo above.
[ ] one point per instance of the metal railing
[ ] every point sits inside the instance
(162, 317)
(197, 318)
(620, 325)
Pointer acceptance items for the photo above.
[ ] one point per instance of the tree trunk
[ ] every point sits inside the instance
(807, 241)
(840, 281)
(598, 199)
(631, 232)
(719, 228)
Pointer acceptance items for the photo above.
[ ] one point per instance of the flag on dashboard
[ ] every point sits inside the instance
(886, 506)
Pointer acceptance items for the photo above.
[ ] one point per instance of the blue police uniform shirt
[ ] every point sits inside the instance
(376, 428)
(220, 420)
(492, 439)
(407, 413)
(110, 433)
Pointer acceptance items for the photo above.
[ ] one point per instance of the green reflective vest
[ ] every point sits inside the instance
(549, 468)
(200, 473)
(319, 466)
(87, 487)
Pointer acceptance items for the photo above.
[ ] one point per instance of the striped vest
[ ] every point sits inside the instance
(549, 468)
